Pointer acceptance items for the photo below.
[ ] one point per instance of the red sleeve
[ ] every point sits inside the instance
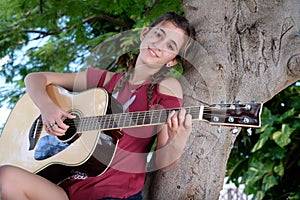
(166, 101)
(95, 77)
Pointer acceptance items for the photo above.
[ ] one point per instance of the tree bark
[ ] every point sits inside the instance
(244, 50)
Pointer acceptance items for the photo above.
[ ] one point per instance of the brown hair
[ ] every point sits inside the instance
(181, 23)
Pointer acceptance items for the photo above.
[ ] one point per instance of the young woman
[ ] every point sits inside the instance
(143, 87)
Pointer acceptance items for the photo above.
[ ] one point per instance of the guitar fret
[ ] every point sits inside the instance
(137, 118)
(143, 120)
(151, 117)
(159, 116)
(91, 124)
(125, 120)
(156, 117)
(104, 123)
(130, 120)
(98, 122)
(123, 124)
(83, 125)
(109, 121)
(116, 121)
(119, 118)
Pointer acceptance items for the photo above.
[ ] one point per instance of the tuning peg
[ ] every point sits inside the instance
(232, 106)
(249, 131)
(234, 131)
(248, 107)
(223, 102)
(253, 101)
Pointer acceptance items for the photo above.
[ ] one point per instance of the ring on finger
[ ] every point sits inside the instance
(52, 124)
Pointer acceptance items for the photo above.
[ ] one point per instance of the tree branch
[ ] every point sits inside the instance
(89, 19)
(150, 8)
(41, 6)
(45, 33)
(107, 18)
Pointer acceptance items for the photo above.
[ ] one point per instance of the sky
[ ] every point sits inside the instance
(4, 112)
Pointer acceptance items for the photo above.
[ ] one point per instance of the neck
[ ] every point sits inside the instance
(142, 72)
(139, 76)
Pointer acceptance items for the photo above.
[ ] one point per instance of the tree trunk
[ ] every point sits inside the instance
(244, 50)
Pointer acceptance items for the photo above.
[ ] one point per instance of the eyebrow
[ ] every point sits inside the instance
(163, 31)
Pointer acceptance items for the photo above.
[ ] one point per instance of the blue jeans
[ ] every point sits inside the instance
(137, 196)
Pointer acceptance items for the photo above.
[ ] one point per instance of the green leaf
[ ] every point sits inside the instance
(282, 138)
(264, 137)
(279, 169)
(237, 171)
(287, 114)
(269, 181)
(275, 152)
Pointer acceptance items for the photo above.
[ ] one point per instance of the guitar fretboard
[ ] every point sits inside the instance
(133, 119)
(240, 115)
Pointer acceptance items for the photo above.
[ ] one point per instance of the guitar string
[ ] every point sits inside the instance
(128, 124)
(108, 123)
(107, 119)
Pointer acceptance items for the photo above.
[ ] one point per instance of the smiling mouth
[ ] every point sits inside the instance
(152, 52)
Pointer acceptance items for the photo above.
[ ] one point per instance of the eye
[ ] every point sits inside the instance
(170, 46)
(158, 34)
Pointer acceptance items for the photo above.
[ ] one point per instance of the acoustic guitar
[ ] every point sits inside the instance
(25, 143)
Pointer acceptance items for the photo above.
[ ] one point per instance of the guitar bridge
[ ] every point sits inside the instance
(35, 132)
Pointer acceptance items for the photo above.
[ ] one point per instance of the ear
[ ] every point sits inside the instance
(172, 63)
(144, 33)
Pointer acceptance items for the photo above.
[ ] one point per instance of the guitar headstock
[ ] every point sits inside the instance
(238, 115)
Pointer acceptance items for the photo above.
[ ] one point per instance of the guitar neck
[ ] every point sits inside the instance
(221, 114)
(133, 119)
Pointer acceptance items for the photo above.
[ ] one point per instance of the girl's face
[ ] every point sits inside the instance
(161, 44)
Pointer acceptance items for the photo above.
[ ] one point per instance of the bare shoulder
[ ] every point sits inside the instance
(171, 86)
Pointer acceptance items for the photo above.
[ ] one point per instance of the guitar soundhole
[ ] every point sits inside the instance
(71, 134)
(50, 145)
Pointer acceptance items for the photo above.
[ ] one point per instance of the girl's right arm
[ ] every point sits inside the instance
(36, 84)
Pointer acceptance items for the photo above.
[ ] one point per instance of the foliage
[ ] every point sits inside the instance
(268, 163)
(59, 35)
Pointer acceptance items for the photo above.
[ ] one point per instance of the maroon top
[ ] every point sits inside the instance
(127, 172)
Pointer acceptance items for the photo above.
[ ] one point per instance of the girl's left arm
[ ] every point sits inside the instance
(172, 136)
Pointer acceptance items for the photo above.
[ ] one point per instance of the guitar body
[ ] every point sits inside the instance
(25, 143)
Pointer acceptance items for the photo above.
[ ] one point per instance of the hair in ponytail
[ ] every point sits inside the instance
(156, 78)
(128, 74)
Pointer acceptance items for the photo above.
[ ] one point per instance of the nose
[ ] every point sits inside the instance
(155, 47)
(158, 45)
